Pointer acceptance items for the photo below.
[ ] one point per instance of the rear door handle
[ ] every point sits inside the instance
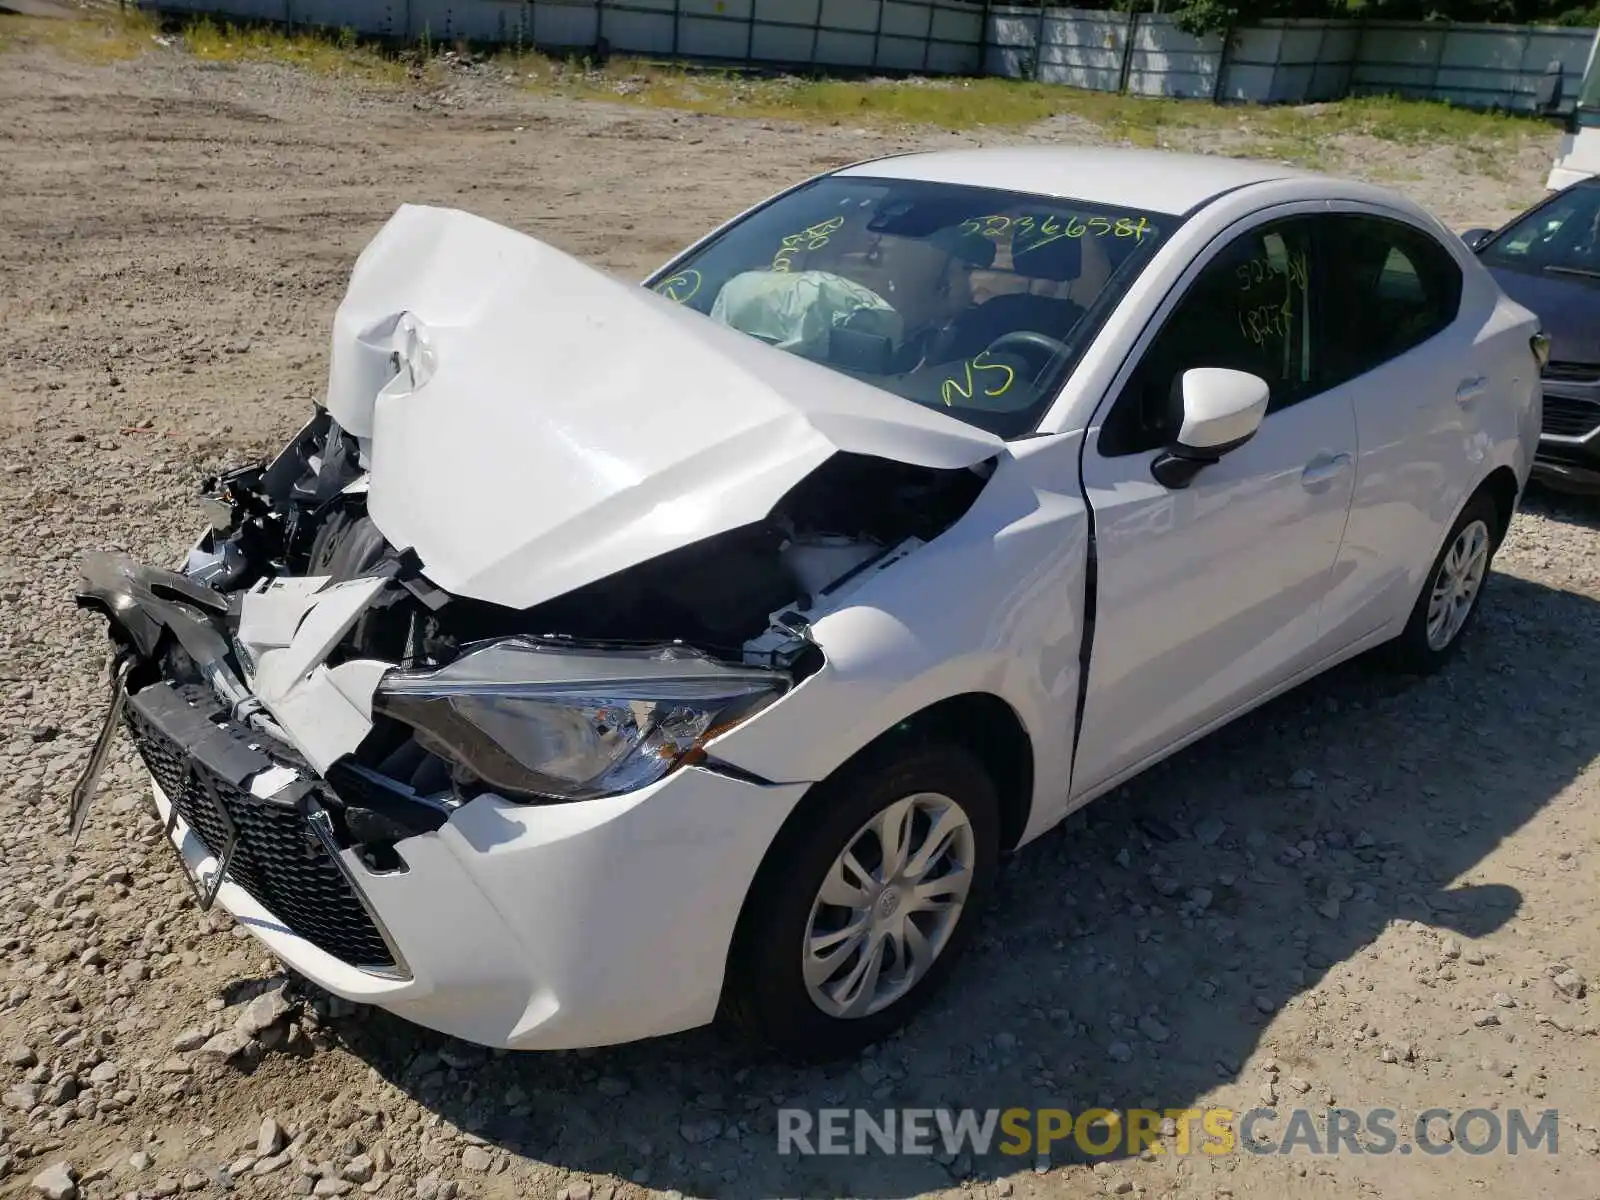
(1469, 390)
(1323, 470)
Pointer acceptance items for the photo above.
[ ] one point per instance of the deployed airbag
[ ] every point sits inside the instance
(799, 311)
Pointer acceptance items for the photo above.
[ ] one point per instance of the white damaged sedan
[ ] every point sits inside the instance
(602, 658)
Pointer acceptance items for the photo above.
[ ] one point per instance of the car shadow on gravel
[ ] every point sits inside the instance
(1570, 508)
(1133, 956)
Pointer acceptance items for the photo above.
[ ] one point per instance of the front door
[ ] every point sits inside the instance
(1208, 595)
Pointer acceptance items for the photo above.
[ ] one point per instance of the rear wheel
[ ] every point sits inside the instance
(1449, 598)
(865, 904)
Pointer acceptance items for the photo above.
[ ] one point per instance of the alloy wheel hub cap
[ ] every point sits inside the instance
(1455, 586)
(888, 905)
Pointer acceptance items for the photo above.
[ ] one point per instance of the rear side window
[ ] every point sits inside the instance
(1397, 287)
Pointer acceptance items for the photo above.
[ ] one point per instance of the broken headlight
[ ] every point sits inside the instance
(528, 719)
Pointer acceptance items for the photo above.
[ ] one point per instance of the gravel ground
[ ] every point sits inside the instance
(1367, 894)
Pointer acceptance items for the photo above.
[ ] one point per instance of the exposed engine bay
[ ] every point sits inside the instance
(743, 596)
(744, 599)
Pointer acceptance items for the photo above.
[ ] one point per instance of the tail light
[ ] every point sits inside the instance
(1540, 344)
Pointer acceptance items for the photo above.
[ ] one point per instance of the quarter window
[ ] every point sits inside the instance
(1250, 309)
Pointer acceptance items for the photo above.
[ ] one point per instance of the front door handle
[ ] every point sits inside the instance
(1323, 470)
(1469, 390)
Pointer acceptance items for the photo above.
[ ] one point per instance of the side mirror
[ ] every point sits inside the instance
(1476, 237)
(1222, 409)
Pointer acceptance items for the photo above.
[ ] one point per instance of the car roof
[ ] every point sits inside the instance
(1149, 180)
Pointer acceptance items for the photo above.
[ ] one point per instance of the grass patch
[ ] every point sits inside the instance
(104, 37)
(1298, 134)
(323, 53)
(113, 35)
(945, 103)
(1302, 134)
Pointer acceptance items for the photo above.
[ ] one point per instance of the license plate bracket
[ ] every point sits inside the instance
(83, 793)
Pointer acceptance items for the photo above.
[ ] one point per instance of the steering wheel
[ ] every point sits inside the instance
(1030, 344)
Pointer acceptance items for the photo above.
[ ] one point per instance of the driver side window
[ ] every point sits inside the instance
(1249, 309)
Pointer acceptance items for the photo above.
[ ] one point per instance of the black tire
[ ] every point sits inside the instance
(765, 999)
(1411, 653)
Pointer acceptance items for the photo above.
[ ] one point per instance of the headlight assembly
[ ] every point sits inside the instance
(532, 720)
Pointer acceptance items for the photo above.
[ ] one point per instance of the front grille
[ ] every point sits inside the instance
(1571, 372)
(279, 861)
(1569, 418)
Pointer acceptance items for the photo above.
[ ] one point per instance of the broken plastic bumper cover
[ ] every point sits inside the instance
(515, 717)
(269, 826)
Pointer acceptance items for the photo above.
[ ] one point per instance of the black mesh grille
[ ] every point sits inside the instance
(279, 860)
(1569, 418)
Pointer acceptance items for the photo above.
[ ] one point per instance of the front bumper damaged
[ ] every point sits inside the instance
(498, 922)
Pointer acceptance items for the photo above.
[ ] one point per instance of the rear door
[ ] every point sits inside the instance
(1419, 371)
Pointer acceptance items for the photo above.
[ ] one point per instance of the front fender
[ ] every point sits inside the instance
(994, 605)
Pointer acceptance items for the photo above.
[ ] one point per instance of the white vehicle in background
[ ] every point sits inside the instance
(601, 658)
(1579, 155)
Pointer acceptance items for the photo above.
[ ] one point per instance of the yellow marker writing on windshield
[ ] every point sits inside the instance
(680, 287)
(1028, 234)
(951, 388)
(814, 238)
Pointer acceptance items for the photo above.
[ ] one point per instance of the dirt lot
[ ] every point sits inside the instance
(1368, 894)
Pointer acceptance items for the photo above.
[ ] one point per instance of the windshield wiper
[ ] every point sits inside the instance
(1558, 269)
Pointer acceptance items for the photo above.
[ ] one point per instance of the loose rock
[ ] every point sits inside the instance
(56, 1182)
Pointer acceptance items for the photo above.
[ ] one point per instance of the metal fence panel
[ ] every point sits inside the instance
(835, 49)
(1084, 49)
(1008, 42)
(959, 22)
(639, 27)
(789, 12)
(1289, 61)
(1293, 61)
(785, 30)
(1167, 62)
(955, 37)
(699, 37)
(567, 24)
(246, 10)
(905, 20)
(1480, 66)
(952, 58)
(856, 15)
(1330, 78)
(384, 19)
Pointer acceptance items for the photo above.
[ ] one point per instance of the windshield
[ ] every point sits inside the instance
(1560, 237)
(970, 300)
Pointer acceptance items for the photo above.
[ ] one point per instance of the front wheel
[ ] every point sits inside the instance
(1449, 598)
(865, 903)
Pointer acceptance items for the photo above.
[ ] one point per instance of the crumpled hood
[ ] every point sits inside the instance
(532, 425)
